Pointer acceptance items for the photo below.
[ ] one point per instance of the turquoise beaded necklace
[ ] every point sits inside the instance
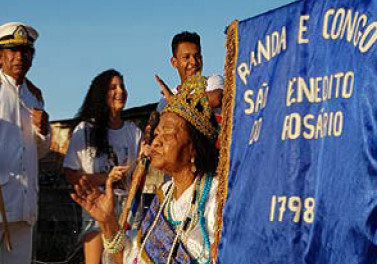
(200, 211)
(170, 219)
(194, 199)
(202, 220)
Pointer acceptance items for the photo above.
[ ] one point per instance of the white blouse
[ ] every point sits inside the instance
(125, 142)
(178, 210)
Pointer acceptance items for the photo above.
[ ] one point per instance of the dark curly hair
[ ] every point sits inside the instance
(96, 111)
(206, 152)
(185, 36)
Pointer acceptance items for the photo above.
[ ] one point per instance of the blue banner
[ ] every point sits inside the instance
(302, 175)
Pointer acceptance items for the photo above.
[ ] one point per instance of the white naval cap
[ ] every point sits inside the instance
(17, 33)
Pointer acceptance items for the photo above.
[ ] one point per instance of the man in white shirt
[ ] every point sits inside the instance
(187, 59)
(24, 135)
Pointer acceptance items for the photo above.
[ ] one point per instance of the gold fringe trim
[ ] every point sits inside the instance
(160, 195)
(226, 127)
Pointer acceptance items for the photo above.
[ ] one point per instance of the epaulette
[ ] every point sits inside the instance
(34, 90)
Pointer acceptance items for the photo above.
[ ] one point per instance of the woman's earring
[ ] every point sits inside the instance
(193, 167)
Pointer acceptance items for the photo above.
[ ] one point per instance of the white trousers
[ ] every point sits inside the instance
(21, 239)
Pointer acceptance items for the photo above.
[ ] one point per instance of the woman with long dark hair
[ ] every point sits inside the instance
(101, 146)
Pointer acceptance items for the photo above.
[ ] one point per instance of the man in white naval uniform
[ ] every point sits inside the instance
(24, 134)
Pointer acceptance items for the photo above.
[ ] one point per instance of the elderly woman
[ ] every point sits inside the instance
(179, 225)
(101, 145)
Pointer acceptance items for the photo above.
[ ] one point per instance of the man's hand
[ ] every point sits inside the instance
(165, 89)
(40, 120)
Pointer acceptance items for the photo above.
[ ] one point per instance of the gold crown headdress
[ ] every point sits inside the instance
(191, 103)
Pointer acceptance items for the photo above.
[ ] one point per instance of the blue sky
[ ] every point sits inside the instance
(81, 38)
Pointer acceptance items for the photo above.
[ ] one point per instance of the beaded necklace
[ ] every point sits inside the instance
(170, 219)
(154, 223)
(193, 204)
(202, 220)
(192, 215)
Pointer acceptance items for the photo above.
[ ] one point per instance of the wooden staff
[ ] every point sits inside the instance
(6, 234)
(138, 178)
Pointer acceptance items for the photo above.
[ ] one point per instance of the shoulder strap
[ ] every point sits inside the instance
(34, 90)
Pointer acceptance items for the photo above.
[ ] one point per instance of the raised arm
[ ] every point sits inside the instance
(164, 88)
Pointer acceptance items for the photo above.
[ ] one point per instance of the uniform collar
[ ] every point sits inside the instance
(9, 79)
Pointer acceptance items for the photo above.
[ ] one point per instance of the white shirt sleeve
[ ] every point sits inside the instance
(138, 137)
(77, 144)
(215, 82)
(163, 102)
